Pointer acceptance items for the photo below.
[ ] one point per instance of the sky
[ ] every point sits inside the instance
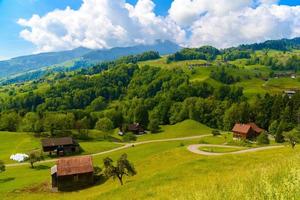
(33, 26)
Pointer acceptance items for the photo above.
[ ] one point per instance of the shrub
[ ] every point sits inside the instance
(2, 166)
(215, 132)
(153, 125)
(129, 137)
(279, 138)
(263, 138)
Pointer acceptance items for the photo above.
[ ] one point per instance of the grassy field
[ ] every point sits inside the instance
(183, 129)
(168, 171)
(283, 83)
(220, 149)
(11, 143)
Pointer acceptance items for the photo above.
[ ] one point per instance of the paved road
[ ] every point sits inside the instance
(195, 149)
(126, 146)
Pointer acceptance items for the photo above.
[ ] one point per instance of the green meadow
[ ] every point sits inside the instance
(219, 149)
(165, 170)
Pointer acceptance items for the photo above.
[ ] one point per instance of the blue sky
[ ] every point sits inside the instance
(11, 44)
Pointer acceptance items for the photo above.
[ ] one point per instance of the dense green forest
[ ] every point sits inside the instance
(124, 91)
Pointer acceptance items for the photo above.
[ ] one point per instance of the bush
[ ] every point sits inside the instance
(263, 138)
(104, 124)
(128, 137)
(215, 132)
(153, 125)
(279, 138)
(2, 166)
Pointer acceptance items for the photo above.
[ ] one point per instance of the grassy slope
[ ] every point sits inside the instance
(251, 87)
(168, 171)
(11, 143)
(183, 129)
(220, 149)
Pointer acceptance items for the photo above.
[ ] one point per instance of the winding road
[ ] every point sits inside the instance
(194, 148)
(126, 146)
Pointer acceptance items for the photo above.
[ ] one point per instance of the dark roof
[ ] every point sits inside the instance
(256, 128)
(245, 128)
(51, 142)
(135, 127)
(74, 165)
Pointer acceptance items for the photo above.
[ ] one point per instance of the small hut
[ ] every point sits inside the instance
(246, 131)
(136, 128)
(72, 173)
(290, 93)
(60, 146)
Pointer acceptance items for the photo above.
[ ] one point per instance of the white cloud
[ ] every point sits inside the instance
(107, 23)
(224, 23)
(99, 24)
(186, 12)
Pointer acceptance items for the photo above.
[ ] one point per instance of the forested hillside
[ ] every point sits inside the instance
(215, 87)
(35, 66)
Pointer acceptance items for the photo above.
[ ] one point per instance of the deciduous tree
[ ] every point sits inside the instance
(123, 168)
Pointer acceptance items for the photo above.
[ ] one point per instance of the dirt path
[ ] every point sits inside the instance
(195, 149)
(126, 146)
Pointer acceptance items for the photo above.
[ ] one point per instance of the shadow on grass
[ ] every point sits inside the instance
(7, 180)
(98, 180)
(41, 167)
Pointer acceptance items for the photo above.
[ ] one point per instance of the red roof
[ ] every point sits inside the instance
(241, 128)
(245, 128)
(74, 165)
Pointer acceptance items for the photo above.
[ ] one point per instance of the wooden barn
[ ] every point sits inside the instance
(60, 146)
(72, 173)
(136, 128)
(246, 131)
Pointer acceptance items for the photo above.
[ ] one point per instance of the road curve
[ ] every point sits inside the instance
(194, 148)
(126, 146)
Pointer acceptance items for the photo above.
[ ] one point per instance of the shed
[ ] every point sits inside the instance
(136, 128)
(72, 173)
(61, 146)
(246, 131)
(290, 93)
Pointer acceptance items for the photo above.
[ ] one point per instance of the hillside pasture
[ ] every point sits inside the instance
(167, 170)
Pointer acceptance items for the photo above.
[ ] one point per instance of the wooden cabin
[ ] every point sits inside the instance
(72, 173)
(290, 93)
(136, 128)
(246, 131)
(60, 146)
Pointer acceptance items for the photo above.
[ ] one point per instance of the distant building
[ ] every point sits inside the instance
(136, 128)
(293, 76)
(246, 131)
(290, 93)
(72, 173)
(60, 146)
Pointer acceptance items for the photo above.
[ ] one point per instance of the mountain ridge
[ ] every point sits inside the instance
(29, 63)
